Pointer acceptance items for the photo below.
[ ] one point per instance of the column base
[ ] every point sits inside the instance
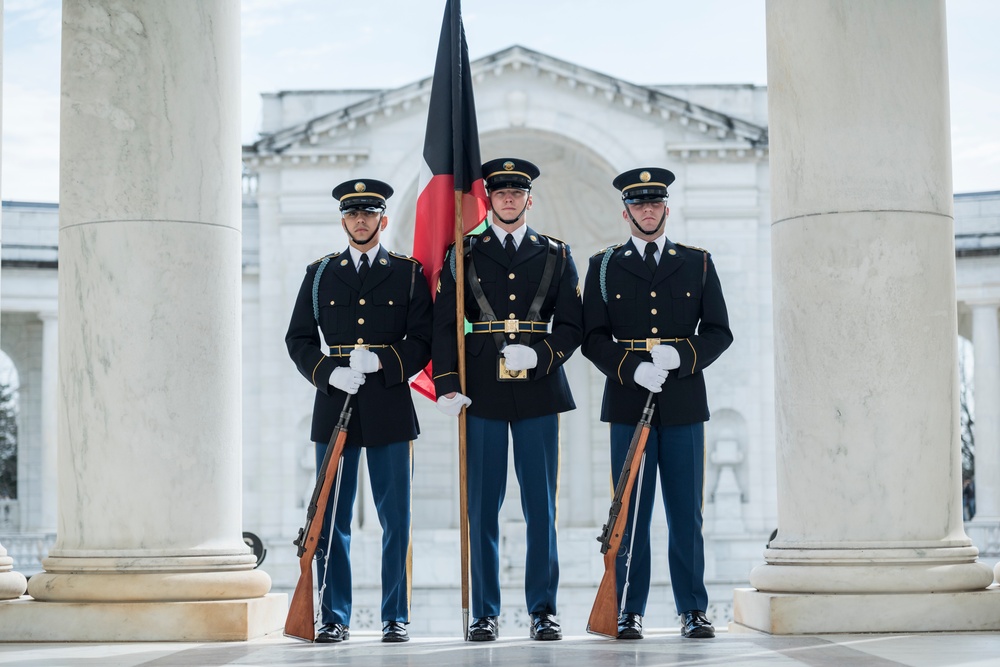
(811, 614)
(12, 585)
(28, 620)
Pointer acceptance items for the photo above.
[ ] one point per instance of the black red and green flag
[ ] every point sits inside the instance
(451, 160)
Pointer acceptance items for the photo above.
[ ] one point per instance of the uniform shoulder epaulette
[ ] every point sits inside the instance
(604, 250)
(690, 247)
(557, 240)
(331, 255)
(400, 255)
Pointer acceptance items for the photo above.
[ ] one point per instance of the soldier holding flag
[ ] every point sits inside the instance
(522, 297)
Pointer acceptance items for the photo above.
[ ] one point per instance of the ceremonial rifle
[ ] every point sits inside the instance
(604, 614)
(301, 620)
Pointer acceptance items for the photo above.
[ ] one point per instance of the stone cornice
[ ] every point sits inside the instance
(303, 142)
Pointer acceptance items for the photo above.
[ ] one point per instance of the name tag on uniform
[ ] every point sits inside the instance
(504, 374)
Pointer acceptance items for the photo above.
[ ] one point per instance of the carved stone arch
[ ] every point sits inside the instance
(573, 199)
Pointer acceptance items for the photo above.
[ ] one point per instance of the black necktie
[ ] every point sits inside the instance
(509, 246)
(363, 267)
(650, 258)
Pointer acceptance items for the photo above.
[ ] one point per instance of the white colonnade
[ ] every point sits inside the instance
(870, 535)
(149, 540)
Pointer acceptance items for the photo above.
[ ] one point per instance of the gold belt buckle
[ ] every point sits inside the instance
(651, 343)
(361, 346)
(510, 326)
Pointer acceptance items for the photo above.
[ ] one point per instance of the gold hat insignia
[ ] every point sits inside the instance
(359, 187)
(508, 165)
(644, 177)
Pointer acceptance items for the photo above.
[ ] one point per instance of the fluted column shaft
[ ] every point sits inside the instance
(149, 307)
(869, 469)
(12, 584)
(986, 394)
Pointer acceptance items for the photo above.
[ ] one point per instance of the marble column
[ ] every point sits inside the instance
(985, 526)
(870, 535)
(149, 541)
(12, 584)
(50, 399)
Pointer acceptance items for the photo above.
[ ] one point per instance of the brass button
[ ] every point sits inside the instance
(653, 311)
(510, 275)
(331, 303)
(361, 301)
(361, 320)
(360, 341)
(618, 296)
(652, 294)
(689, 293)
(390, 302)
(655, 330)
(512, 316)
(512, 297)
(513, 336)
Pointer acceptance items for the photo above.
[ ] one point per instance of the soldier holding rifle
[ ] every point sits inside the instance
(654, 319)
(373, 309)
(517, 282)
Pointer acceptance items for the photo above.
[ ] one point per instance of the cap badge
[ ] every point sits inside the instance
(508, 165)
(360, 186)
(644, 177)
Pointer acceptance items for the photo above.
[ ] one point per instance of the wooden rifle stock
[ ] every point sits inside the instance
(604, 614)
(300, 622)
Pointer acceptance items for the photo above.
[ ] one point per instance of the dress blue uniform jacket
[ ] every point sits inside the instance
(392, 308)
(510, 286)
(682, 300)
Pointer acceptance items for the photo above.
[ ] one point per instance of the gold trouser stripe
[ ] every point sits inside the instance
(409, 546)
(555, 521)
(549, 369)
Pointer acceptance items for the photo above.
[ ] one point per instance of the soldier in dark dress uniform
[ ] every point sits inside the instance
(373, 308)
(522, 296)
(654, 319)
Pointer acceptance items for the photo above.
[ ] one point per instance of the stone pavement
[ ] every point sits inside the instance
(660, 648)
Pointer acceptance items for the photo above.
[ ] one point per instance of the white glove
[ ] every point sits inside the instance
(649, 376)
(666, 357)
(364, 361)
(520, 357)
(346, 379)
(452, 406)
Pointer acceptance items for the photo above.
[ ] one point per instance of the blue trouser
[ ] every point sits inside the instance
(536, 462)
(390, 468)
(678, 452)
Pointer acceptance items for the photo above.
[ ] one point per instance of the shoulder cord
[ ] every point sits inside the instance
(315, 290)
(604, 273)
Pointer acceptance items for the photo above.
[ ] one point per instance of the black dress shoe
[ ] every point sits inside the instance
(694, 625)
(333, 633)
(630, 626)
(544, 627)
(483, 629)
(394, 631)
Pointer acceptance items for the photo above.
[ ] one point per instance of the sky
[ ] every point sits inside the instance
(329, 44)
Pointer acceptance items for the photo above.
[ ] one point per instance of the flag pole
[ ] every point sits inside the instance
(458, 164)
(463, 489)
